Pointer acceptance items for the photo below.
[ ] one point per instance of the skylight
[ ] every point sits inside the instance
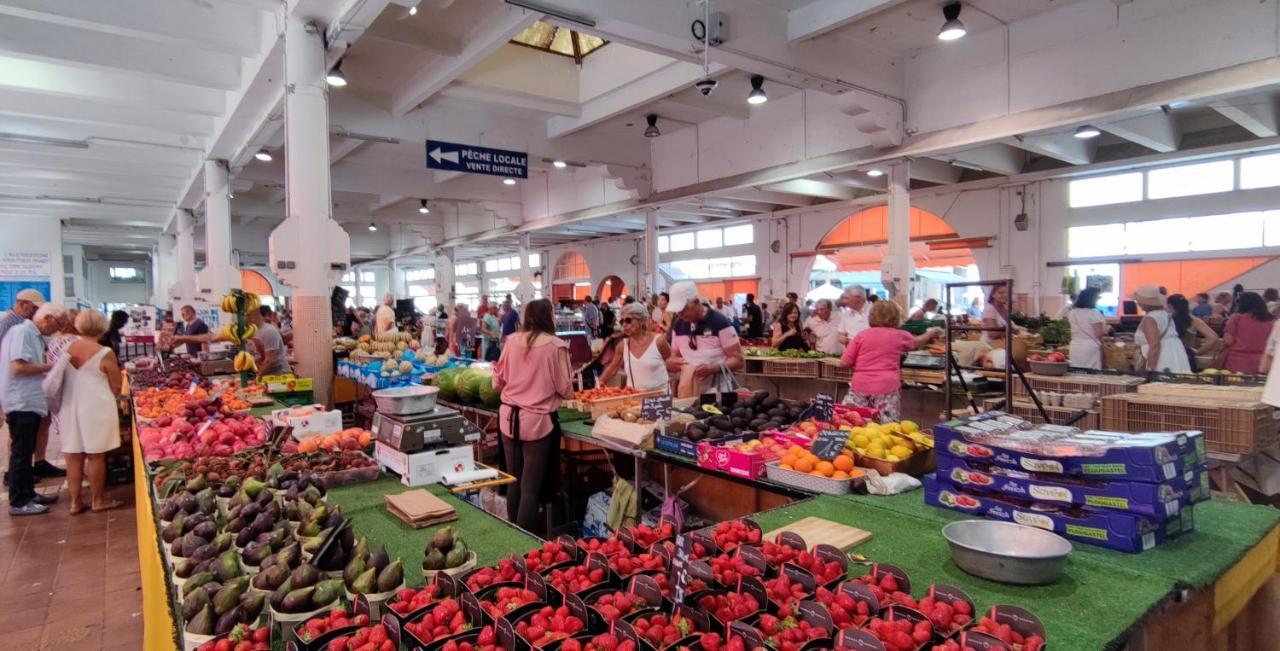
(558, 40)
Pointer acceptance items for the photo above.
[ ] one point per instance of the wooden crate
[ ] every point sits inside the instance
(1202, 391)
(785, 367)
(830, 369)
(1100, 385)
(1229, 427)
(1027, 411)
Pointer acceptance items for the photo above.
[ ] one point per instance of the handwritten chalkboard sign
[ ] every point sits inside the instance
(680, 567)
(823, 407)
(829, 444)
(656, 408)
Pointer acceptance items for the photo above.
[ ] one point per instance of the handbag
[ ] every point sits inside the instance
(53, 382)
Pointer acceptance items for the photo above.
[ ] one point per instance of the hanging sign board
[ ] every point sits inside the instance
(21, 270)
(453, 157)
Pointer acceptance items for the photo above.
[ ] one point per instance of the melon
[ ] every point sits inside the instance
(480, 381)
(447, 381)
(491, 397)
(468, 392)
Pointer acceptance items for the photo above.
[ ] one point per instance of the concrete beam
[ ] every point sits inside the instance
(811, 188)
(1261, 118)
(822, 16)
(1063, 146)
(718, 104)
(1157, 130)
(996, 157)
(934, 171)
(203, 25)
(771, 197)
(657, 85)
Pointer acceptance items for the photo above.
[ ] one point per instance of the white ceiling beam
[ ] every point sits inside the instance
(718, 104)
(345, 22)
(737, 204)
(996, 157)
(36, 187)
(670, 79)
(87, 112)
(201, 25)
(1157, 130)
(811, 188)
(505, 97)
(774, 198)
(482, 42)
(116, 87)
(935, 171)
(106, 52)
(96, 133)
(402, 33)
(25, 171)
(106, 151)
(856, 179)
(91, 166)
(822, 16)
(343, 148)
(1261, 116)
(1064, 147)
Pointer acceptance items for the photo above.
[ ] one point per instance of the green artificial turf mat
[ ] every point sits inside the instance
(1094, 605)
(492, 539)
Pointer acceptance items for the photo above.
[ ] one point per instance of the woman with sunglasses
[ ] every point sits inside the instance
(788, 331)
(643, 356)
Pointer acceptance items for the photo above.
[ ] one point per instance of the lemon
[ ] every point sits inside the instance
(861, 440)
(910, 426)
(875, 450)
(900, 451)
(891, 458)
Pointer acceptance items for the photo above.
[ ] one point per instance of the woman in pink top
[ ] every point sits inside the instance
(876, 357)
(1246, 334)
(533, 375)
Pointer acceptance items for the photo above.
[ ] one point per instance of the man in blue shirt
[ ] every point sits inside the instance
(1203, 308)
(22, 370)
(191, 325)
(591, 317)
(510, 318)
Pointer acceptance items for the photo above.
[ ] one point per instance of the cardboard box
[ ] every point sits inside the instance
(999, 439)
(287, 383)
(1125, 532)
(308, 421)
(1158, 501)
(426, 467)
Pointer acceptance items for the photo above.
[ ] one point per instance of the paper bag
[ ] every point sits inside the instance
(687, 387)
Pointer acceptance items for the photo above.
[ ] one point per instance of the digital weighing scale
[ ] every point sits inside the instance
(410, 433)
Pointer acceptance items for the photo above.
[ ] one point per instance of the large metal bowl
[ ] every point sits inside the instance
(406, 400)
(1007, 552)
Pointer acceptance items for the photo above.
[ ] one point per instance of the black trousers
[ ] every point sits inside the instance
(24, 428)
(535, 465)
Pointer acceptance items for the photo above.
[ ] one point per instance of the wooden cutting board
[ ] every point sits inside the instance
(819, 530)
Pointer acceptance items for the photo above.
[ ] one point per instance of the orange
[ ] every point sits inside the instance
(856, 472)
(840, 474)
(817, 474)
(786, 466)
(844, 462)
(825, 468)
(804, 465)
(789, 459)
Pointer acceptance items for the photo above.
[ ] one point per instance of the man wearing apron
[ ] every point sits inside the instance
(702, 341)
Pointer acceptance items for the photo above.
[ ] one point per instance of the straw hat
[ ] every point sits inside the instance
(1148, 296)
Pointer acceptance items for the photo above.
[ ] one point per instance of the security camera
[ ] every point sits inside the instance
(706, 86)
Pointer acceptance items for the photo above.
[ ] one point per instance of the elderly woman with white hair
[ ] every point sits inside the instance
(643, 355)
(856, 314)
(87, 418)
(384, 319)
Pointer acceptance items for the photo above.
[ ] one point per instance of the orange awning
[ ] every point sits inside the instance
(252, 281)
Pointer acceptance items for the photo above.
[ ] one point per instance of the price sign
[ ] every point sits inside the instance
(829, 443)
(823, 407)
(656, 408)
(680, 566)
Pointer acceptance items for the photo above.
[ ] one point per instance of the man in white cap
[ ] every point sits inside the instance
(700, 336)
(24, 307)
(854, 317)
(22, 369)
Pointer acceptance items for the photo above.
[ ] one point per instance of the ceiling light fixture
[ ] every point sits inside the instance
(372, 227)
(952, 29)
(508, 181)
(652, 130)
(413, 11)
(559, 164)
(757, 95)
(875, 172)
(422, 206)
(335, 77)
(263, 155)
(1087, 131)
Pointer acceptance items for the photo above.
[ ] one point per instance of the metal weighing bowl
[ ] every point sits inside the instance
(406, 400)
(1007, 552)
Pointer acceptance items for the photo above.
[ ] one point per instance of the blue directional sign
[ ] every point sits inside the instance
(453, 157)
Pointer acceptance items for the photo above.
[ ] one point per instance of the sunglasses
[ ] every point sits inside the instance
(627, 321)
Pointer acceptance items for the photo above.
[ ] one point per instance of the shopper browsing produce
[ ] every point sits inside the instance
(533, 375)
(1197, 338)
(854, 318)
(788, 331)
(876, 357)
(384, 320)
(752, 318)
(926, 311)
(1270, 365)
(823, 327)
(87, 418)
(996, 314)
(22, 369)
(1157, 337)
(1246, 335)
(644, 354)
(702, 342)
(191, 325)
(1088, 327)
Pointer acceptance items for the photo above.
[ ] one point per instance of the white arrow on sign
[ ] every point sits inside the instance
(451, 156)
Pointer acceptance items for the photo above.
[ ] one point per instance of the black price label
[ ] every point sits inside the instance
(680, 566)
(823, 407)
(829, 444)
(656, 408)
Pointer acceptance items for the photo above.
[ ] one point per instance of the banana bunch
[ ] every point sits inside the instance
(251, 302)
(244, 362)
(234, 335)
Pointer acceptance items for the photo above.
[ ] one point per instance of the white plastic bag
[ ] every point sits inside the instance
(893, 484)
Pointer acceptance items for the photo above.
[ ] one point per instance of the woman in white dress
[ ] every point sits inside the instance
(1087, 329)
(88, 420)
(1270, 365)
(1157, 336)
(642, 356)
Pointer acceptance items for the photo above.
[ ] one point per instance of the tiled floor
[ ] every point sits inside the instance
(70, 582)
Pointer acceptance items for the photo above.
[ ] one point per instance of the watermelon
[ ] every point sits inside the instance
(447, 381)
(480, 381)
(462, 383)
(491, 397)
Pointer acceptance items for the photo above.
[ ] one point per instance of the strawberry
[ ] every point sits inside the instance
(571, 580)
(550, 553)
(782, 590)
(663, 631)
(606, 546)
(731, 534)
(445, 619)
(900, 634)
(823, 573)
(729, 606)
(947, 617)
(645, 536)
(487, 576)
(409, 600)
(608, 642)
(614, 605)
(1008, 635)
(728, 569)
(846, 612)
(548, 625)
(776, 554)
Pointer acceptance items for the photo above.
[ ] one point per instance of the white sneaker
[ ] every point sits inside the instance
(31, 508)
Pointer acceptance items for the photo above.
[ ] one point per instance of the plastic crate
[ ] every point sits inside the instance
(1028, 412)
(1184, 378)
(1240, 380)
(797, 368)
(830, 369)
(1229, 428)
(1100, 385)
(603, 406)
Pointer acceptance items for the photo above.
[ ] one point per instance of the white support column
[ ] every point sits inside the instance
(444, 278)
(218, 275)
(898, 263)
(650, 256)
(524, 290)
(184, 289)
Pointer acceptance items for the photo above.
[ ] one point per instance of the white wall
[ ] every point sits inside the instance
(101, 289)
(36, 235)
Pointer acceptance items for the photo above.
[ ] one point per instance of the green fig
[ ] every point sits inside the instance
(228, 566)
(173, 530)
(196, 581)
(443, 540)
(252, 487)
(229, 596)
(194, 603)
(297, 601)
(355, 567)
(305, 576)
(251, 604)
(433, 561)
(455, 558)
(327, 592)
(203, 622)
(366, 582)
(391, 578)
(196, 484)
(279, 594)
